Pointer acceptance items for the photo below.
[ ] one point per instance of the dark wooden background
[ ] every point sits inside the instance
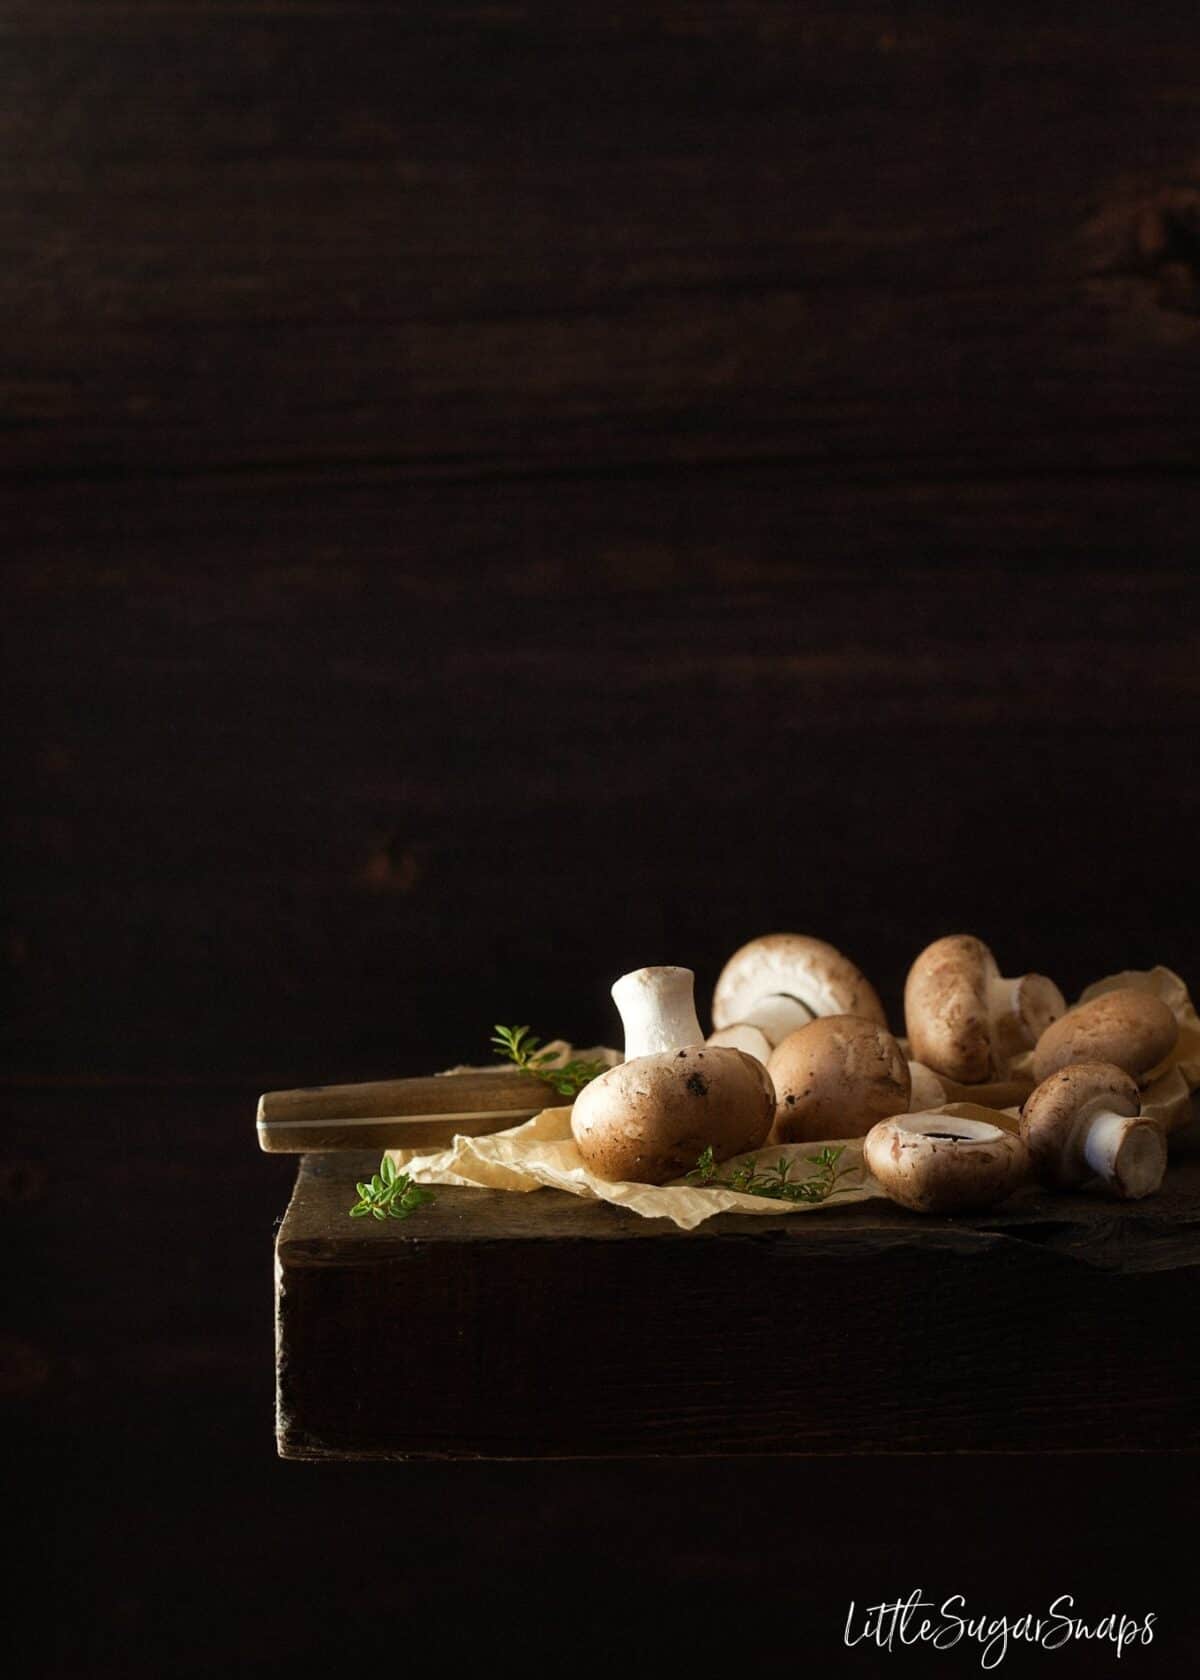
(493, 496)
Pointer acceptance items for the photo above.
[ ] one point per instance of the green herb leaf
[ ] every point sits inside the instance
(517, 1045)
(391, 1194)
(776, 1182)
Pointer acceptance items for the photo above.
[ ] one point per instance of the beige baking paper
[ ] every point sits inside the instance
(541, 1152)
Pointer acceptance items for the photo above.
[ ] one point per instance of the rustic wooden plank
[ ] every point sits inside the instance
(160, 1374)
(270, 735)
(535, 237)
(1052, 1325)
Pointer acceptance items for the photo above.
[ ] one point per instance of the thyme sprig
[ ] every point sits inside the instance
(518, 1045)
(752, 1180)
(389, 1194)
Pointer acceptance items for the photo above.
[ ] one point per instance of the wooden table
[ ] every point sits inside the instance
(497, 1325)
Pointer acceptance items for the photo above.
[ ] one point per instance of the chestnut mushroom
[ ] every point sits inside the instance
(1086, 1121)
(835, 1078)
(650, 1118)
(783, 981)
(1129, 1027)
(941, 1163)
(964, 1019)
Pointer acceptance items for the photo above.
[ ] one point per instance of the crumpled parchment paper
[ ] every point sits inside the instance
(541, 1152)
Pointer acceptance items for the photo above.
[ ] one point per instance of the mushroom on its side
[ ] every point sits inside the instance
(1129, 1027)
(1085, 1121)
(964, 1019)
(940, 1163)
(835, 1078)
(785, 980)
(650, 1119)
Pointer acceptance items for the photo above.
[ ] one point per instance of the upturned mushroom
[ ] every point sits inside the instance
(1128, 1027)
(1085, 1121)
(649, 1119)
(964, 1019)
(940, 1163)
(785, 980)
(835, 1078)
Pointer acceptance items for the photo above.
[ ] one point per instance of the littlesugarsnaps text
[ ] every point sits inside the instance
(952, 1624)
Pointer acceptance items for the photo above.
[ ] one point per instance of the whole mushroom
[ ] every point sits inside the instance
(650, 1118)
(940, 1163)
(964, 1019)
(1085, 1121)
(1128, 1027)
(835, 1078)
(783, 981)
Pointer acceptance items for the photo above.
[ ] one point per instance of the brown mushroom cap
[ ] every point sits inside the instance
(650, 1120)
(1055, 1116)
(1129, 1027)
(835, 1078)
(793, 965)
(946, 1007)
(940, 1163)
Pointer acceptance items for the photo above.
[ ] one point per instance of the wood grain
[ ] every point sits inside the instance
(119, 1374)
(398, 1113)
(432, 439)
(449, 450)
(304, 799)
(516, 239)
(1051, 1324)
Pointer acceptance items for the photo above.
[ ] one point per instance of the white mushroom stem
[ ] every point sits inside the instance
(779, 1014)
(1028, 1003)
(658, 1011)
(927, 1090)
(1127, 1152)
(751, 1040)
